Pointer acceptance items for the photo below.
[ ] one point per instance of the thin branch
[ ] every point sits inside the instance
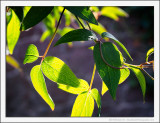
(106, 61)
(80, 22)
(53, 36)
(147, 74)
(88, 25)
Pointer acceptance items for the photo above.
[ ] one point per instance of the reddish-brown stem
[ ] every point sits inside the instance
(106, 61)
(52, 36)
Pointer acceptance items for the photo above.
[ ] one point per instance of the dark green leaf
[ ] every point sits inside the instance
(112, 56)
(108, 35)
(39, 84)
(83, 86)
(150, 51)
(141, 79)
(124, 73)
(32, 54)
(57, 71)
(83, 106)
(77, 35)
(19, 11)
(84, 13)
(13, 32)
(34, 16)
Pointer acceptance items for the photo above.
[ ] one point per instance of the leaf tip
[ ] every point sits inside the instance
(52, 109)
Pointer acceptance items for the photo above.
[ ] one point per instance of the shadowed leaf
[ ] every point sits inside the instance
(84, 13)
(77, 35)
(108, 35)
(32, 54)
(57, 71)
(34, 16)
(112, 56)
(83, 86)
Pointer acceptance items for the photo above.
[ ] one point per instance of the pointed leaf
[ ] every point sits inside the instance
(39, 84)
(150, 51)
(57, 71)
(95, 94)
(45, 35)
(112, 56)
(26, 10)
(84, 13)
(83, 86)
(98, 28)
(124, 73)
(13, 32)
(113, 12)
(83, 105)
(13, 62)
(108, 35)
(34, 16)
(77, 35)
(19, 12)
(32, 54)
(141, 79)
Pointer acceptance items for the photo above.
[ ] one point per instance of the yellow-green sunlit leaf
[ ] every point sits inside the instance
(39, 84)
(113, 12)
(83, 86)
(13, 32)
(141, 79)
(83, 105)
(57, 71)
(96, 96)
(13, 62)
(150, 51)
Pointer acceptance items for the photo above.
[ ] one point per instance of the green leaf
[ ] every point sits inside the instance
(26, 10)
(124, 73)
(84, 13)
(13, 62)
(112, 56)
(34, 16)
(95, 94)
(83, 86)
(98, 28)
(13, 32)
(77, 35)
(67, 18)
(32, 54)
(108, 35)
(45, 35)
(141, 80)
(83, 105)
(91, 48)
(150, 51)
(57, 71)
(8, 15)
(65, 30)
(113, 12)
(39, 84)
(19, 11)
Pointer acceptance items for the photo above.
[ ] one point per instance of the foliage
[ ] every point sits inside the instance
(109, 61)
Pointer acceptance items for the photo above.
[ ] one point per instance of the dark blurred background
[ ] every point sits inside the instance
(136, 32)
